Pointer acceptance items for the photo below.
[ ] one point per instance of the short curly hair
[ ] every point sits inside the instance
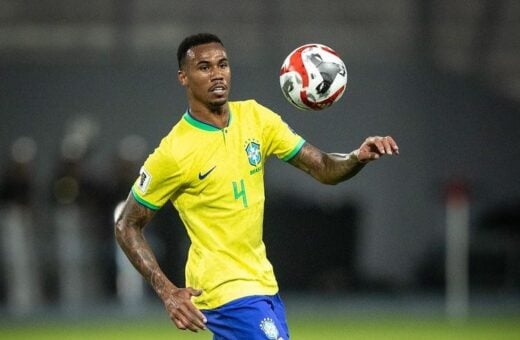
(194, 40)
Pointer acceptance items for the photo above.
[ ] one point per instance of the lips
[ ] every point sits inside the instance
(218, 88)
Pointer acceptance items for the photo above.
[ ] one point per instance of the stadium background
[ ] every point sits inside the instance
(82, 83)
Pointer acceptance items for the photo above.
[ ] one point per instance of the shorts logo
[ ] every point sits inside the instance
(144, 180)
(267, 325)
(253, 153)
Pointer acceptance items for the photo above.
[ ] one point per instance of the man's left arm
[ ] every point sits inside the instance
(333, 168)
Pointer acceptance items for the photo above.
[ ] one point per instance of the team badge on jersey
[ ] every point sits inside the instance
(253, 152)
(269, 328)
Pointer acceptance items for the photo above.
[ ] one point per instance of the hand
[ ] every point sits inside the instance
(375, 147)
(182, 311)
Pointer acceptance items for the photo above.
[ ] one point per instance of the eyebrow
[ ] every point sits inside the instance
(209, 62)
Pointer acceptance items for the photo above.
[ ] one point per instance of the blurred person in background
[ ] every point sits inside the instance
(79, 217)
(210, 167)
(131, 150)
(20, 251)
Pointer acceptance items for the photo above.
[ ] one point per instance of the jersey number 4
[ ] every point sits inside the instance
(240, 193)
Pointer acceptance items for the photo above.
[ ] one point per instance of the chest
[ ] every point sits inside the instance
(226, 166)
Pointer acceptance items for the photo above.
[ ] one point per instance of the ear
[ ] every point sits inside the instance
(183, 79)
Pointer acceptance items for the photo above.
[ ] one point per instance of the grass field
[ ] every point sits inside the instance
(302, 328)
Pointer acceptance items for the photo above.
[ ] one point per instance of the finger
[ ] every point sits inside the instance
(183, 322)
(178, 323)
(186, 316)
(199, 323)
(393, 144)
(198, 313)
(387, 146)
(197, 317)
(194, 316)
(379, 145)
(369, 144)
(194, 292)
(373, 156)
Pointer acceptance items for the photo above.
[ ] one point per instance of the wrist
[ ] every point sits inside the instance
(354, 155)
(162, 286)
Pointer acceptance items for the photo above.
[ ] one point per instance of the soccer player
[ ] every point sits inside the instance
(210, 167)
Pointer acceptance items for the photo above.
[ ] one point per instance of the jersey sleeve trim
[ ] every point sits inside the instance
(296, 149)
(143, 202)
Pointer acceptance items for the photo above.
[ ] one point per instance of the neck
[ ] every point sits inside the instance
(217, 116)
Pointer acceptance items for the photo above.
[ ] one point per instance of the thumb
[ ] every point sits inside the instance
(364, 156)
(195, 292)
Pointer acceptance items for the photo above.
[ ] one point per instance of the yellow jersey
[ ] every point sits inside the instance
(215, 179)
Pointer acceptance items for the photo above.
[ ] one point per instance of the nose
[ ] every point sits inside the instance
(216, 73)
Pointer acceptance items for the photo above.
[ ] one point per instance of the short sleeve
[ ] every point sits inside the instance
(281, 140)
(159, 178)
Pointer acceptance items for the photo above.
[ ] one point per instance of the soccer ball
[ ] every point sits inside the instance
(313, 77)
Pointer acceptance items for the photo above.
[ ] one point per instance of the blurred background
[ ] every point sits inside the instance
(89, 88)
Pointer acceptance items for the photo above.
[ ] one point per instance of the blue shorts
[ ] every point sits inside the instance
(256, 317)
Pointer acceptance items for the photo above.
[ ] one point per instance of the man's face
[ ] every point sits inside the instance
(206, 74)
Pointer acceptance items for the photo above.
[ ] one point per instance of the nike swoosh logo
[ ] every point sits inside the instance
(204, 175)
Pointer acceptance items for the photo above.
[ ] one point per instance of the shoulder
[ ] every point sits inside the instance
(169, 144)
(251, 107)
(243, 105)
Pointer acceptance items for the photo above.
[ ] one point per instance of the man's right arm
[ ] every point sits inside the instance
(129, 234)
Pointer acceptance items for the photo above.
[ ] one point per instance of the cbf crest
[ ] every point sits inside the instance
(254, 155)
(267, 325)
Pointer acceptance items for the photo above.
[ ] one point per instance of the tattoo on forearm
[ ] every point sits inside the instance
(129, 234)
(157, 281)
(330, 168)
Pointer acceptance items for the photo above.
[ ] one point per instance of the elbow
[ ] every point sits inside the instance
(119, 227)
(327, 180)
(119, 231)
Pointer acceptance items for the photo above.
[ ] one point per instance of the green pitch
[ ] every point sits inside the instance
(302, 328)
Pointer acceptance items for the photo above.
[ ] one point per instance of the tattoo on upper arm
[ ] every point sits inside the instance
(309, 158)
(135, 214)
(129, 234)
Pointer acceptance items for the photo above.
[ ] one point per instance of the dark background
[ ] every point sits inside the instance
(442, 77)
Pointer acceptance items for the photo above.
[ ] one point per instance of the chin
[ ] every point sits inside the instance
(219, 102)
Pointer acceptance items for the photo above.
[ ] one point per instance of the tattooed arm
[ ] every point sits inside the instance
(177, 301)
(333, 168)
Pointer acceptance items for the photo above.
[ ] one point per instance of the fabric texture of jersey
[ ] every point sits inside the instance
(214, 178)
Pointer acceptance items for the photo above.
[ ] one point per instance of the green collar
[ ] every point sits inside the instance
(202, 125)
